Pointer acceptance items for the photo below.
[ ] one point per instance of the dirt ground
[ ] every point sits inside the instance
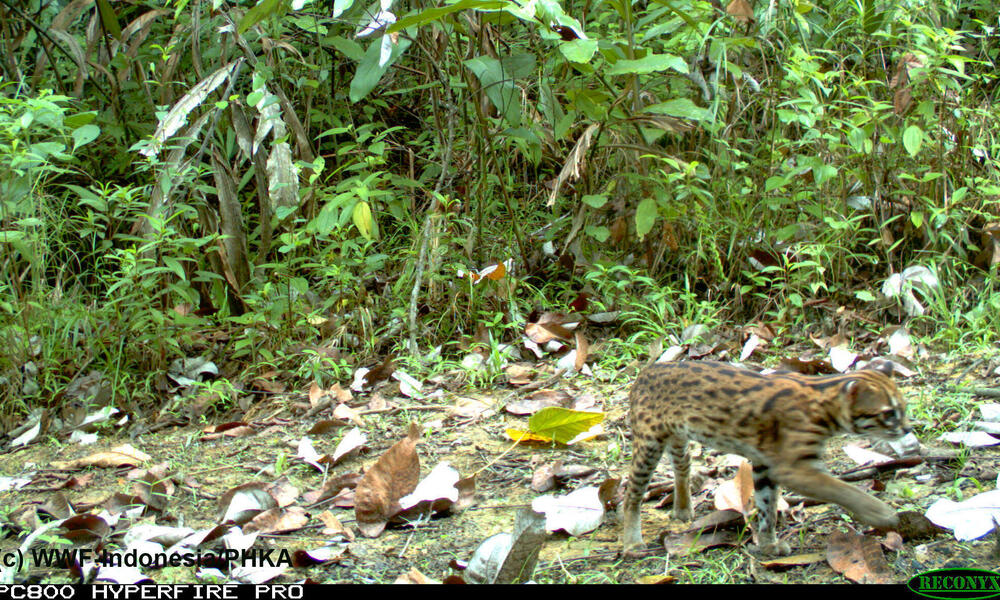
(203, 470)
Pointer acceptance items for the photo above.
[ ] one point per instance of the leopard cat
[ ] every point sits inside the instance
(779, 422)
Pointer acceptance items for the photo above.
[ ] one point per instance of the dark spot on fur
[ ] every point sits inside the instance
(769, 404)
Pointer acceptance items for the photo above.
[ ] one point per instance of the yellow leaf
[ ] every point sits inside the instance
(362, 216)
(564, 424)
(526, 436)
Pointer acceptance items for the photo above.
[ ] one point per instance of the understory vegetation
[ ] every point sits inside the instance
(278, 181)
(225, 210)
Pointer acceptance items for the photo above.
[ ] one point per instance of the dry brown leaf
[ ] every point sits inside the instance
(736, 494)
(244, 502)
(740, 10)
(155, 488)
(332, 487)
(223, 427)
(322, 427)
(58, 506)
(466, 494)
(718, 519)
(333, 527)
(84, 528)
(656, 579)
(415, 576)
(582, 347)
(393, 476)
(343, 411)
(574, 161)
(518, 374)
(236, 432)
(544, 477)
(608, 492)
(786, 562)
(858, 558)
(122, 456)
(283, 492)
(278, 520)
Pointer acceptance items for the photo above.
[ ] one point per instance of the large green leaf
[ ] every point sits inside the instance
(563, 424)
(109, 19)
(369, 72)
(435, 13)
(578, 51)
(651, 63)
(913, 138)
(645, 217)
(497, 78)
(682, 108)
(263, 10)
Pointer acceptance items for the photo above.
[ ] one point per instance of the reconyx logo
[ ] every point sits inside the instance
(952, 584)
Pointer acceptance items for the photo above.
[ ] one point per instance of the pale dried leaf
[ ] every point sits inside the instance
(178, 114)
(574, 161)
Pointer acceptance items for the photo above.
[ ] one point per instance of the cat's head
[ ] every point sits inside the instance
(876, 407)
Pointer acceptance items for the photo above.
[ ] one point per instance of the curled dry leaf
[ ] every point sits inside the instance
(841, 358)
(544, 477)
(509, 557)
(278, 520)
(332, 487)
(343, 411)
(318, 556)
(122, 456)
(332, 527)
(352, 443)
(607, 492)
(798, 560)
(234, 432)
(435, 493)
(519, 374)
(736, 494)
(393, 476)
(551, 326)
(244, 502)
(155, 488)
(283, 492)
(972, 439)
(322, 427)
(308, 454)
(85, 528)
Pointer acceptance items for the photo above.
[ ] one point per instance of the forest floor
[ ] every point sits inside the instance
(197, 471)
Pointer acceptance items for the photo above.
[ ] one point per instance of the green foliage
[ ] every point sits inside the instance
(278, 172)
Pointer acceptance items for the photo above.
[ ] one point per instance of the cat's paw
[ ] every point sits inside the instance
(776, 548)
(879, 515)
(683, 514)
(638, 551)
